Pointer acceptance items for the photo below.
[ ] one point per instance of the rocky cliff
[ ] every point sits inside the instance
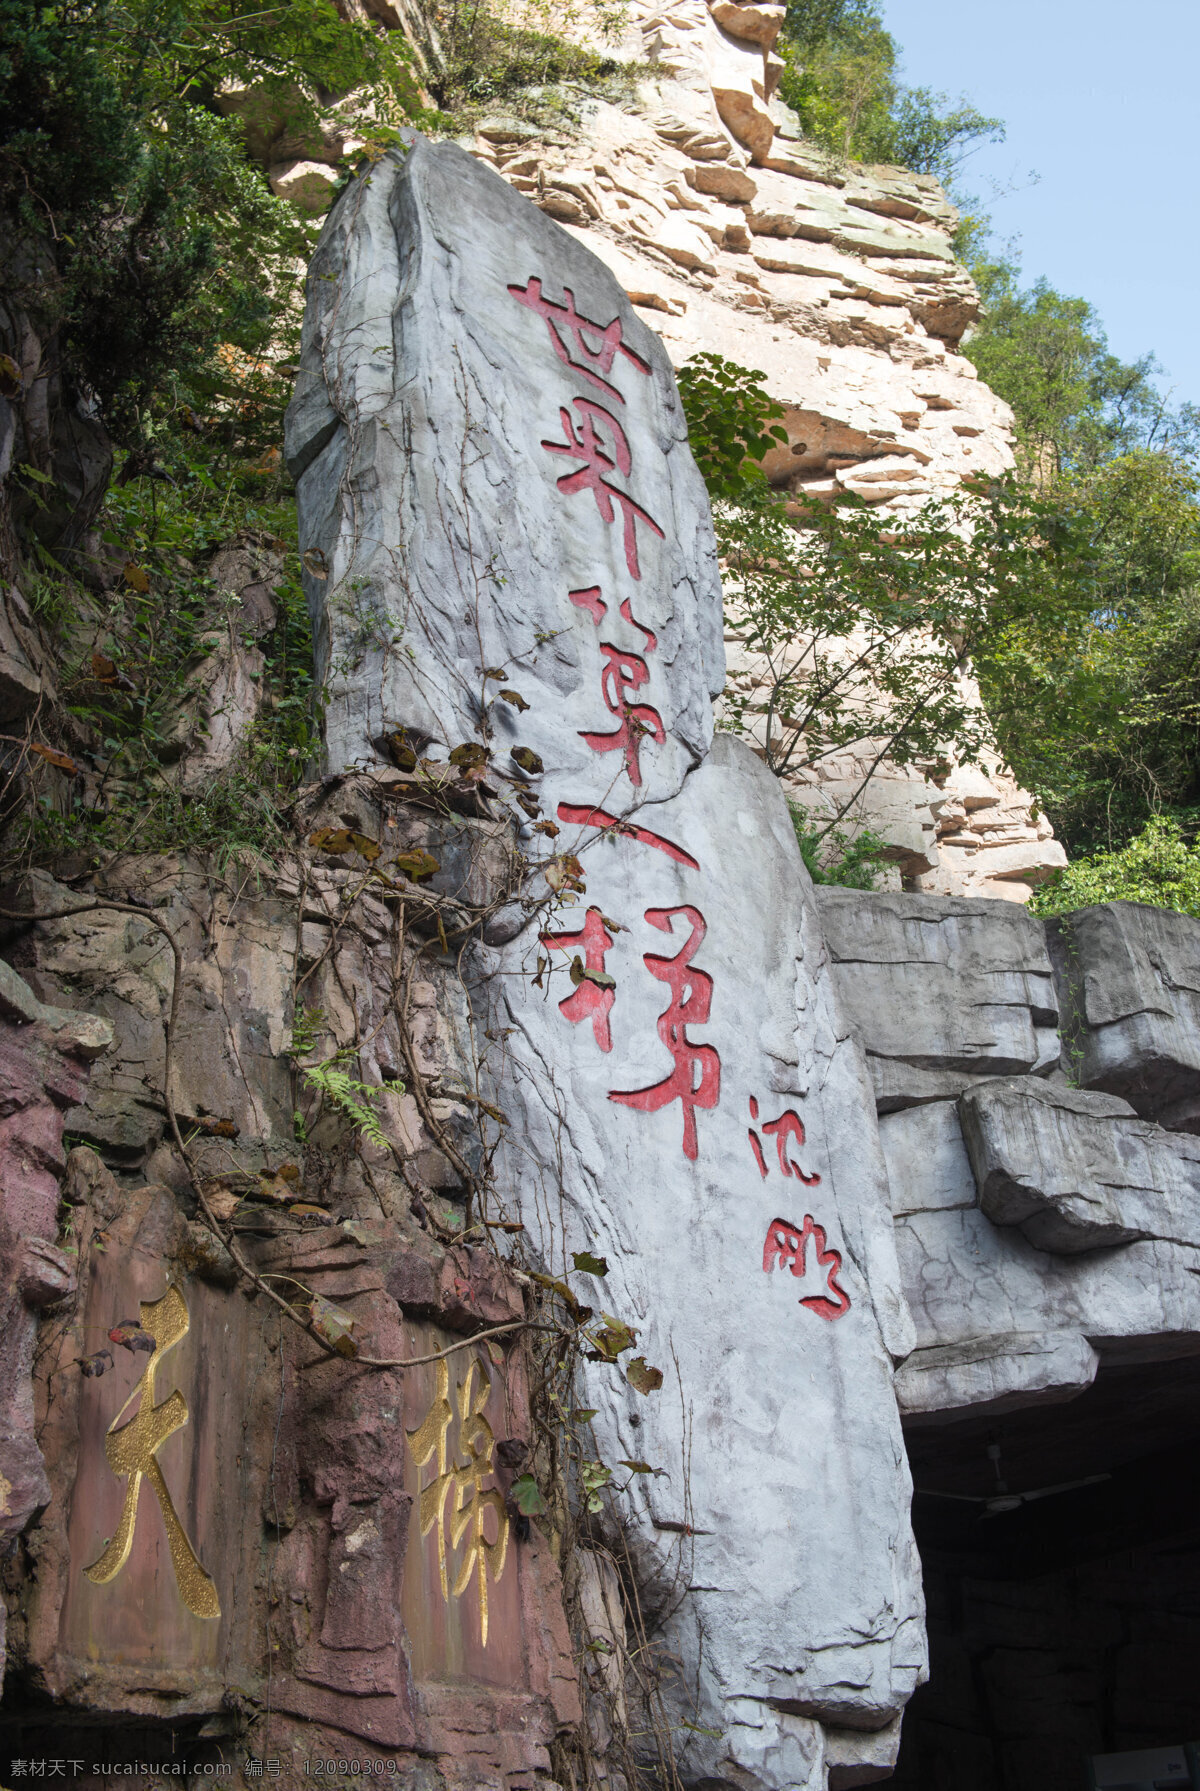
(519, 1246)
(731, 234)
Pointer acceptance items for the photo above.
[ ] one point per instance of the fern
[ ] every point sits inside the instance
(354, 1099)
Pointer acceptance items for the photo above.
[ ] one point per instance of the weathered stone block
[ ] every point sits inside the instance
(1077, 1170)
(941, 985)
(1130, 978)
(43, 1068)
(927, 1162)
(992, 1374)
(966, 1279)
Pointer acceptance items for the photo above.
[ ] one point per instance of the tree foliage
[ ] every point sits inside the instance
(863, 626)
(485, 58)
(842, 78)
(733, 423)
(135, 222)
(1076, 403)
(1158, 866)
(1096, 700)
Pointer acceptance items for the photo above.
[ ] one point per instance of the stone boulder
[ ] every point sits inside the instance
(940, 990)
(462, 355)
(1130, 981)
(1078, 1170)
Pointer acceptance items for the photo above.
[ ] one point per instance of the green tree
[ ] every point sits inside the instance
(161, 274)
(133, 218)
(1076, 404)
(863, 626)
(1095, 698)
(841, 76)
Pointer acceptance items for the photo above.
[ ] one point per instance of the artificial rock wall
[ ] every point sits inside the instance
(502, 483)
(856, 1162)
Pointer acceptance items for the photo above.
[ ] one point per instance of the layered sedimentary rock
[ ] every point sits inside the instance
(491, 459)
(45, 1054)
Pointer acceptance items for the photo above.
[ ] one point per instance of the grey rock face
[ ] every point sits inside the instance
(1077, 1170)
(990, 1375)
(927, 1162)
(967, 1279)
(490, 480)
(1039, 1228)
(442, 384)
(1130, 976)
(941, 989)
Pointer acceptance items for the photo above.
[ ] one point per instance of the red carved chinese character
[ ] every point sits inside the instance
(787, 1245)
(589, 446)
(591, 601)
(622, 673)
(564, 320)
(577, 814)
(651, 637)
(789, 1125)
(590, 1000)
(695, 1080)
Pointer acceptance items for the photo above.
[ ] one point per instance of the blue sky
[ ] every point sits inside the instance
(1101, 100)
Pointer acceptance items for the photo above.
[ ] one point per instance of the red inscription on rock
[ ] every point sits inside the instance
(591, 601)
(695, 1081)
(577, 814)
(590, 1000)
(596, 345)
(625, 672)
(598, 431)
(651, 637)
(787, 1246)
(789, 1127)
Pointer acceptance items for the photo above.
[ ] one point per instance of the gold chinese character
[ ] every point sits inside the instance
(428, 1439)
(469, 1504)
(133, 1450)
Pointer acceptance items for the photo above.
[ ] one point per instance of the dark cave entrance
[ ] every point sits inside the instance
(1066, 1625)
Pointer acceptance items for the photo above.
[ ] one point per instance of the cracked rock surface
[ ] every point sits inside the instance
(688, 1109)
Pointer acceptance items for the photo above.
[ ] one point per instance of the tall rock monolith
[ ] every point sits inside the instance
(510, 562)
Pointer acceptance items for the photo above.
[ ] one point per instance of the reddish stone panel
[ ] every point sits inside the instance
(464, 1289)
(128, 1645)
(297, 1482)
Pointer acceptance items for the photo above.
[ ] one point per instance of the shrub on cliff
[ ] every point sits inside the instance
(1158, 867)
(133, 218)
